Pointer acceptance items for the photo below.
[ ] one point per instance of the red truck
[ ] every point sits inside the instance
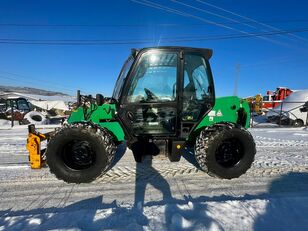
(272, 99)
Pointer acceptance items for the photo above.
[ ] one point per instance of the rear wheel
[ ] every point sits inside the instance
(225, 151)
(298, 123)
(80, 153)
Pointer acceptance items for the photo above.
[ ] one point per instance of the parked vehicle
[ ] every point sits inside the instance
(272, 99)
(288, 111)
(163, 101)
(15, 107)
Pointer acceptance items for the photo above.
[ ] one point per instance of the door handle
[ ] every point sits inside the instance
(130, 115)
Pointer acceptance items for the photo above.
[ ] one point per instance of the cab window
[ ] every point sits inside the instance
(197, 90)
(155, 78)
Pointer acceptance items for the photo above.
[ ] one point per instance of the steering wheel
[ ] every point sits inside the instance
(150, 94)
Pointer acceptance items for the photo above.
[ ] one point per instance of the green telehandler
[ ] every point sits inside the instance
(163, 101)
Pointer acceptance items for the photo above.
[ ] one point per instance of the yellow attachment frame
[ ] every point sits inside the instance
(34, 147)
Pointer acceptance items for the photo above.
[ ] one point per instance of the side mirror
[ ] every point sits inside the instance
(304, 108)
(134, 52)
(99, 99)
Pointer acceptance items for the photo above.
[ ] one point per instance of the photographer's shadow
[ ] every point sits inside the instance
(146, 174)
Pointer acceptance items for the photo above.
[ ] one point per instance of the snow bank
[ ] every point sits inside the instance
(48, 104)
(65, 98)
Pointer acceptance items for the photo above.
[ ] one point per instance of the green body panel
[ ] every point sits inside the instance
(224, 110)
(102, 115)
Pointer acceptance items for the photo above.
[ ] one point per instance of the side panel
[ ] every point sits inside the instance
(226, 109)
(102, 115)
(115, 128)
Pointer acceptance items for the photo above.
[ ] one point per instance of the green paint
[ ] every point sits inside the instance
(100, 116)
(225, 110)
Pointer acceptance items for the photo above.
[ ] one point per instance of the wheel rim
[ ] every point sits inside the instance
(229, 153)
(298, 123)
(78, 155)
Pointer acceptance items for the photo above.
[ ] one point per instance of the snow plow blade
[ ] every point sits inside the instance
(34, 147)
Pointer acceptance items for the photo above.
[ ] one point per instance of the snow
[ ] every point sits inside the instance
(261, 121)
(50, 104)
(65, 98)
(157, 194)
(4, 123)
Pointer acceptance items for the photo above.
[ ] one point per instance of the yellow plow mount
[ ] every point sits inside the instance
(34, 147)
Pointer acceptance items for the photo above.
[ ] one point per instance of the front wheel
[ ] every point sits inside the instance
(225, 151)
(80, 153)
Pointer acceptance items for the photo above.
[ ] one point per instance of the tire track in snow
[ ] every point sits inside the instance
(275, 157)
(273, 142)
(130, 175)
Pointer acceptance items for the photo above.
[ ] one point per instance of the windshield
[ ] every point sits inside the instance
(154, 79)
(122, 77)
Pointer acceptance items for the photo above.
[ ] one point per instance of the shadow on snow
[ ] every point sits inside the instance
(94, 214)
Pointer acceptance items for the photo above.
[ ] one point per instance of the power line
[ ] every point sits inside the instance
(222, 16)
(181, 13)
(228, 18)
(245, 17)
(147, 40)
(175, 11)
(150, 24)
(212, 13)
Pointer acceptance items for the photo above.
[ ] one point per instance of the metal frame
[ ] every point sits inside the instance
(121, 104)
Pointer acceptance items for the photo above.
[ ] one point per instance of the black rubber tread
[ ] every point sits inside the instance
(99, 138)
(298, 123)
(210, 139)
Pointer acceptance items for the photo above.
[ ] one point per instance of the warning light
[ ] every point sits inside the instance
(178, 146)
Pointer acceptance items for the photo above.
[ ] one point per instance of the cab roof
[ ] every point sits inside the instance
(205, 51)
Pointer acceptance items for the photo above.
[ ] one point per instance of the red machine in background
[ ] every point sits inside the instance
(272, 99)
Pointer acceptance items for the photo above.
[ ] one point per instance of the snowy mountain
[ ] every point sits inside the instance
(34, 94)
(29, 90)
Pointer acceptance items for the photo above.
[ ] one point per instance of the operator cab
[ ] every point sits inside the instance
(164, 92)
(18, 103)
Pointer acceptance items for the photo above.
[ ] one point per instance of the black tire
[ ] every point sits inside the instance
(225, 151)
(80, 153)
(298, 123)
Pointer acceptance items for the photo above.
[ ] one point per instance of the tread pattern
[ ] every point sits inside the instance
(101, 133)
(202, 143)
(206, 138)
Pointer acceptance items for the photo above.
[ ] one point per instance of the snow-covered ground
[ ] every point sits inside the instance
(159, 195)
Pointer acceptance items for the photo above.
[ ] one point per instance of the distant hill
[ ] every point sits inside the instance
(30, 90)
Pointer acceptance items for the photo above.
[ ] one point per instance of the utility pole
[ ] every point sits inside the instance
(237, 77)
(12, 112)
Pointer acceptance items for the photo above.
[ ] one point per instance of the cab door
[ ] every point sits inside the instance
(148, 106)
(197, 91)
